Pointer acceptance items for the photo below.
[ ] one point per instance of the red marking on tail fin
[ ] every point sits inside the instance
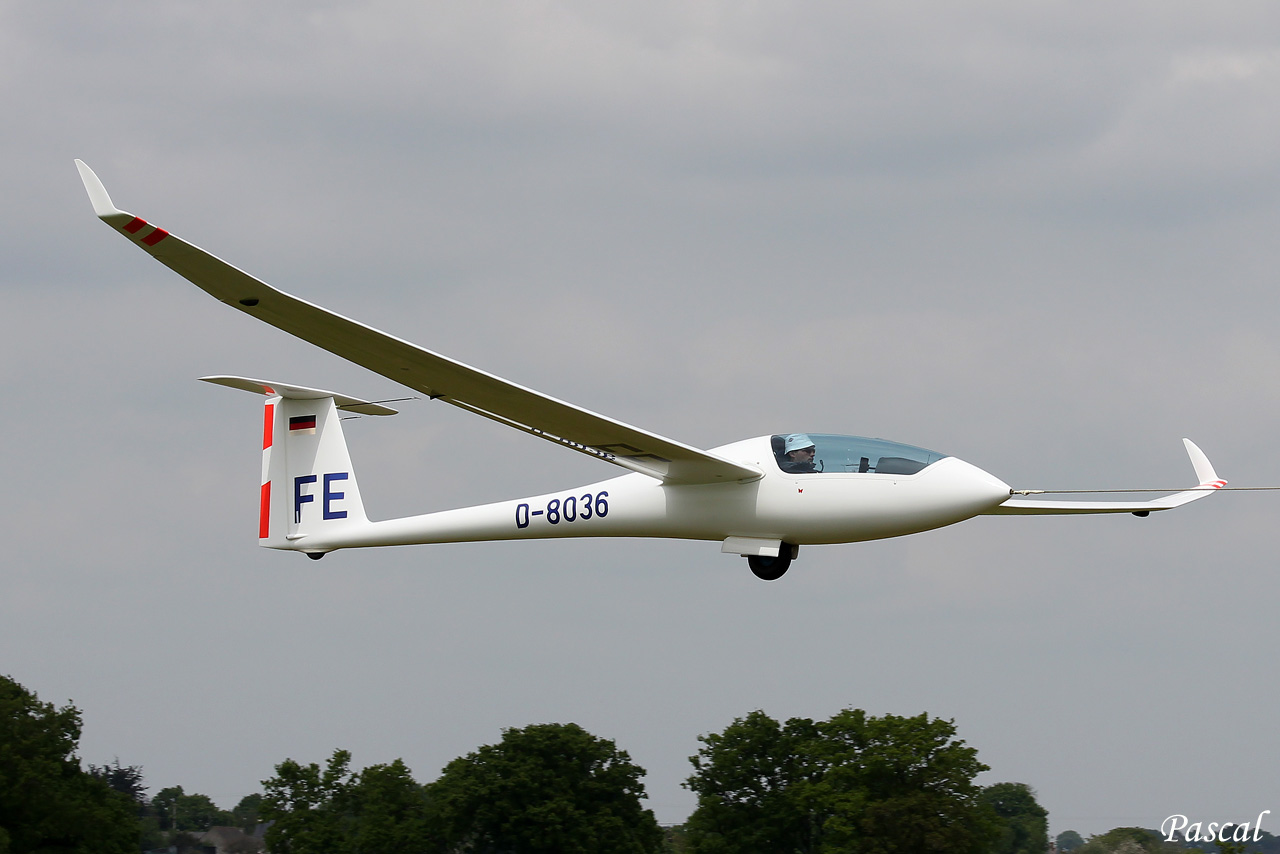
(155, 237)
(135, 225)
(264, 512)
(268, 424)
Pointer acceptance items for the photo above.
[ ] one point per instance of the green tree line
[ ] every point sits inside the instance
(1142, 840)
(173, 818)
(852, 783)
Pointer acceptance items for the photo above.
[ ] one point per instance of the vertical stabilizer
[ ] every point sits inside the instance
(308, 486)
(312, 483)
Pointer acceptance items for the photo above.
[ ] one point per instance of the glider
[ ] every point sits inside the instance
(761, 498)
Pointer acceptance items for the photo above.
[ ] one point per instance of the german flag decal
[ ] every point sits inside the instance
(302, 424)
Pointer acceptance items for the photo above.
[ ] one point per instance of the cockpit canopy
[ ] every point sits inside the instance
(844, 454)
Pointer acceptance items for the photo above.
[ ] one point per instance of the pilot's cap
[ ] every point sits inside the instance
(796, 442)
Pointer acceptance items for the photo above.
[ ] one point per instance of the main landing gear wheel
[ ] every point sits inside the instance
(771, 568)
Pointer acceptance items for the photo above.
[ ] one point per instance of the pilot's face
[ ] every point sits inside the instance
(802, 455)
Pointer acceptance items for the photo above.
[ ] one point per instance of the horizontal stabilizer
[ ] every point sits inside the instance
(297, 392)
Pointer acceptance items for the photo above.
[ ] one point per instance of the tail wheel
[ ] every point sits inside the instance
(771, 568)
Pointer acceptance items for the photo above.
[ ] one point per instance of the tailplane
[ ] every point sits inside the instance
(309, 488)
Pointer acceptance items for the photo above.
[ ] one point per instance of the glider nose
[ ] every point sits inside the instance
(977, 490)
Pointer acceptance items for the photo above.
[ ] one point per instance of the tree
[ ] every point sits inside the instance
(163, 806)
(334, 811)
(853, 783)
(1127, 840)
(545, 788)
(47, 802)
(179, 811)
(1069, 840)
(1026, 823)
(306, 805)
(390, 809)
(751, 786)
(125, 779)
(245, 813)
(674, 839)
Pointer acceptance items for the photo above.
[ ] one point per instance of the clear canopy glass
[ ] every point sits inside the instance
(844, 454)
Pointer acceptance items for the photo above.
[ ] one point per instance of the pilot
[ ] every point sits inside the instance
(798, 451)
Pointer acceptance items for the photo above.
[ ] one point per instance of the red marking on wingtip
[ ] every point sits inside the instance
(135, 225)
(155, 237)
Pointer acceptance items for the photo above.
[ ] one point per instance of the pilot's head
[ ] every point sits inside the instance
(798, 446)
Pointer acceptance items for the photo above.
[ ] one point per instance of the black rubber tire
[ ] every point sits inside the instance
(770, 568)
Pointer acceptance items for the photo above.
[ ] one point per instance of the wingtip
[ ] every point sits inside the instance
(1204, 469)
(102, 205)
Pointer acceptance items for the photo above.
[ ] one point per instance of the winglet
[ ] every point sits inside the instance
(1204, 469)
(97, 193)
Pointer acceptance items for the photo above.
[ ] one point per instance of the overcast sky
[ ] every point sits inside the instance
(1040, 237)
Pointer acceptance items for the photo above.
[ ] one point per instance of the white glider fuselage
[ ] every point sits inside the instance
(799, 509)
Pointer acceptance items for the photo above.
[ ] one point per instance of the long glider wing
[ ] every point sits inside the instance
(429, 373)
(1209, 483)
